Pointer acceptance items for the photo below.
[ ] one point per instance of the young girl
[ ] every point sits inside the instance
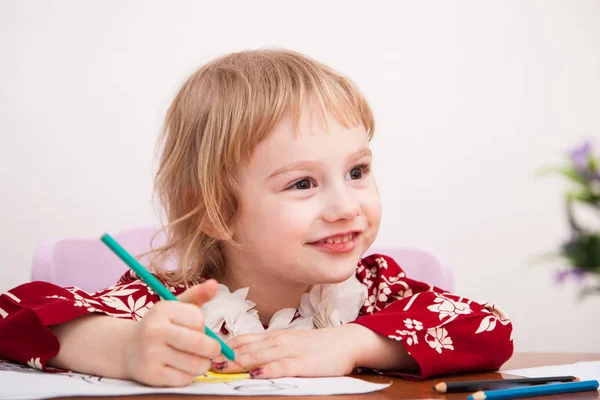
(265, 179)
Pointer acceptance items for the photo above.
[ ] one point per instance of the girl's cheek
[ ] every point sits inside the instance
(371, 207)
(290, 217)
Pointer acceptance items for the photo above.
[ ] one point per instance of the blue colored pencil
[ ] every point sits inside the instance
(539, 390)
(155, 284)
(496, 384)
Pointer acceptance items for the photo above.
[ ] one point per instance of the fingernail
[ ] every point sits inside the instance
(220, 366)
(256, 372)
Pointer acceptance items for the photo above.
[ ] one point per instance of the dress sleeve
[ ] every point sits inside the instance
(443, 332)
(28, 310)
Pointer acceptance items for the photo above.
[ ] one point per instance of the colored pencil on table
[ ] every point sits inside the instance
(474, 386)
(536, 390)
(155, 284)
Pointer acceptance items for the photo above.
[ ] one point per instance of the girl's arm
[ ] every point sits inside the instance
(441, 331)
(379, 352)
(30, 313)
(44, 325)
(93, 344)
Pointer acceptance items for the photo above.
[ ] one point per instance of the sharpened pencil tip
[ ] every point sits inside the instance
(441, 387)
(477, 396)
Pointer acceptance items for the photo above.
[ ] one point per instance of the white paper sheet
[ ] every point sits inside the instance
(18, 382)
(584, 370)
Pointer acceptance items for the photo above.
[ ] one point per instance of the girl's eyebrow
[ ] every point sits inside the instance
(365, 151)
(300, 165)
(310, 165)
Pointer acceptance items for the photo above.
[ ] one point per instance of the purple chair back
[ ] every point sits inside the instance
(419, 265)
(88, 264)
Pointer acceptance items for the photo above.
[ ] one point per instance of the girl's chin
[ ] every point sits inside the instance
(341, 276)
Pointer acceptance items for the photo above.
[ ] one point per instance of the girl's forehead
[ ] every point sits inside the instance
(309, 121)
(324, 141)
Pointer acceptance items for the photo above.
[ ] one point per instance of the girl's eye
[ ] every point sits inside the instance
(358, 172)
(303, 184)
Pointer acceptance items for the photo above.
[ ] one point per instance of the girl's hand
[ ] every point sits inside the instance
(168, 347)
(286, 353)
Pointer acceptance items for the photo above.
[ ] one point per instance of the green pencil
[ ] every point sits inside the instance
(155, 284)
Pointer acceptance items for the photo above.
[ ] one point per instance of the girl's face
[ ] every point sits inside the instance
(309, 207)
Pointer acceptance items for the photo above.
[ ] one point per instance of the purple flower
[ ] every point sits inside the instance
(580, 156)
(562, 275)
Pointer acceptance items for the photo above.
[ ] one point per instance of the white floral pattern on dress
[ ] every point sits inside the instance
(396, 279)
(410, 333)
(89, 304)
(370, 274)
(393, 287)
(439, 339)
(409, 336)
(370, 303)
(381, 262)
(413, 324)
(12, 296)
(122, 290)
(132, 309)
(35, 363)
(402, 294)
(498, 313)
(448, 307)
(383, 291)
(122, 301)
(56, 297)
(489, 323)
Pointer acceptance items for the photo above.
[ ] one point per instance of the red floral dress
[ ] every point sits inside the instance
(443, 332)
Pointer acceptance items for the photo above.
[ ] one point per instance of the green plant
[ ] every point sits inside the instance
(582, 249)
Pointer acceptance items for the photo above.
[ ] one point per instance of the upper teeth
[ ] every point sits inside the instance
(337, 239)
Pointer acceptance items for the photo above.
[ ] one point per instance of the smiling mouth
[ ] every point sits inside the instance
(337, 244)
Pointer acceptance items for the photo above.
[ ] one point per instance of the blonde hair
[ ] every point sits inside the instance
(211, 129)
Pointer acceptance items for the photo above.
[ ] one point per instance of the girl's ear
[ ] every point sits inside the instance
(214, 233)
(189, 203)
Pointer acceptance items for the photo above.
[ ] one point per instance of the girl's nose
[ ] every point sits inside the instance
(341, 205)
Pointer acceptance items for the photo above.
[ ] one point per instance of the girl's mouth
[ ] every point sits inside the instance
(341, 243)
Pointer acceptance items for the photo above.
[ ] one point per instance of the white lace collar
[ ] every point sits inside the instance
(323, 306)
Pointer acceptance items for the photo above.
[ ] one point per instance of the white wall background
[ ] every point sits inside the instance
(470, 98)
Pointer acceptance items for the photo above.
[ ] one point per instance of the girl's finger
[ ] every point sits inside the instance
(170, 377)
(261, 353)
(186, 362)
(252, 355)
(188, 315)
(225, 366)
(286, 367)
(192, 341)
(243, 340)
(201, 293)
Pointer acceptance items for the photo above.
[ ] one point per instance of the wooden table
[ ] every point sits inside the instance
(403, 389)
